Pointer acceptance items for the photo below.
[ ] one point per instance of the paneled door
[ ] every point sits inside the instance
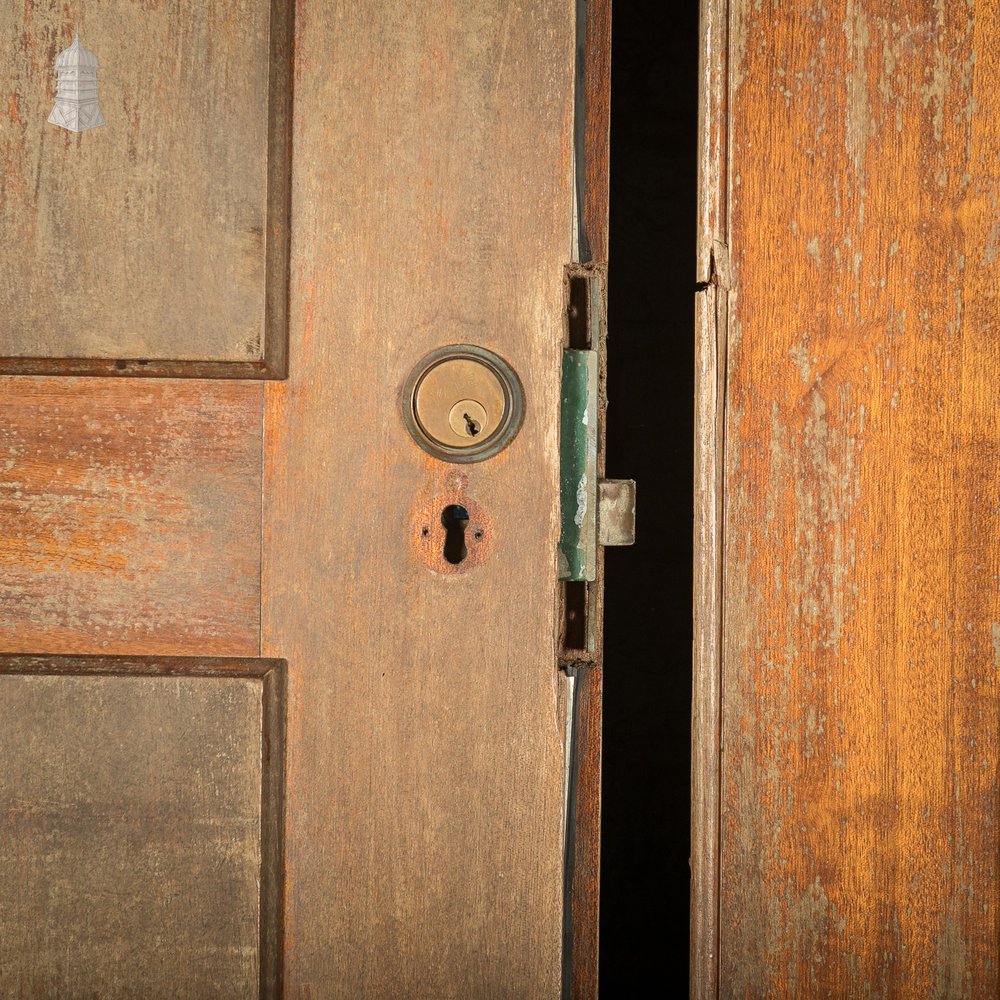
(285, 703)
(847, 720)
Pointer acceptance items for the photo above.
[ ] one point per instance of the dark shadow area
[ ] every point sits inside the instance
(647, 677)
(455, 519)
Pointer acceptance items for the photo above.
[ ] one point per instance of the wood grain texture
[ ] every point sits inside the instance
(585, 895)
(129, 516)
(138, 817)
(597, 127)
(161, 236)
(432, 187)
(711, 324)
(861, 639)
(584, 886)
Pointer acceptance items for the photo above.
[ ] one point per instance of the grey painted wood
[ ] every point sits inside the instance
(131, 860)
(161, 235)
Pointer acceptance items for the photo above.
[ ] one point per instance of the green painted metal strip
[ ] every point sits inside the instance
(578, 466)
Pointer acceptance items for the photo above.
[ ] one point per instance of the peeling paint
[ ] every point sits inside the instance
(860, 124)
(812, 248)
(581, 501)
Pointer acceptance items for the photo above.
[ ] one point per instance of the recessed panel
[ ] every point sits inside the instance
(129, 516)
(137, 826)
(159, 234)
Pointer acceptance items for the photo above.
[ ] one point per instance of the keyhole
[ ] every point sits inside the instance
(472, 426)
(455, 519)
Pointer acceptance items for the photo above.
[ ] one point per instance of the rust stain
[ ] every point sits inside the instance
(427, 532)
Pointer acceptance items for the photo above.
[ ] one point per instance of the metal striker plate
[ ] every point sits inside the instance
(463, 403)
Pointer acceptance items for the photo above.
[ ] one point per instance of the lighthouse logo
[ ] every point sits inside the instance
(76, 105)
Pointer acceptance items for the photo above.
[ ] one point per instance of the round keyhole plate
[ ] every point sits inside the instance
(463, 403)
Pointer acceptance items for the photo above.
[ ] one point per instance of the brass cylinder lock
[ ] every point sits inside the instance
(463, 404)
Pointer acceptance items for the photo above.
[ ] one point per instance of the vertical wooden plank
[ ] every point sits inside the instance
(860, 761)
(596, 75)
(583, 936)
(584, 897)
(432, 194)
(273, 745)
(711, 315)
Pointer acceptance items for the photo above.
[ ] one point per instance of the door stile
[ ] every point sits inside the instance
(432, 205)
(583, 857)
(711, 312)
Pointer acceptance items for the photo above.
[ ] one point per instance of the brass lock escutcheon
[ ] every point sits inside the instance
(463, 403)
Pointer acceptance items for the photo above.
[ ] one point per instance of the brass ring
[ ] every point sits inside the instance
(508, 425)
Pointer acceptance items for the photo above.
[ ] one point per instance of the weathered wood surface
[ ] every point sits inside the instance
(432, 186)
(596, 78)
(134, 803)
(711, 315)
(129, 516)
(583, 940)
(152, 237)
(584, 887)
(861, 558)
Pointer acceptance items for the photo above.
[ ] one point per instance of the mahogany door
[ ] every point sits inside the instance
(263, 734)
(846, 710)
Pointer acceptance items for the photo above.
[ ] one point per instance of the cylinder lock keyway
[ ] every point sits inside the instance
(463, 404)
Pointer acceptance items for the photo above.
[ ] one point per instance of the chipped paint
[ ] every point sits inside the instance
(860, 124)
(812, 248)
(582, 493)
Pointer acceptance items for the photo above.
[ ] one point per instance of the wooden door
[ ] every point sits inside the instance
(846, 715)
(261, 737)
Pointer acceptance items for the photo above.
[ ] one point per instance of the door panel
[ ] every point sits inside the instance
(139, 802)
(160, 237)
(433, 193)
(130, 516)
(857, 788)
(409, 839)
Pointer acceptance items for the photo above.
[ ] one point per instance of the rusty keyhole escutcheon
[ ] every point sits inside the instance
(451, 532)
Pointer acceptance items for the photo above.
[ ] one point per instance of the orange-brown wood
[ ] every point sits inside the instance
(432, 194)
(861, 650)
(584, 855)
(596, 79)
(129, 516)
(584, 886)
